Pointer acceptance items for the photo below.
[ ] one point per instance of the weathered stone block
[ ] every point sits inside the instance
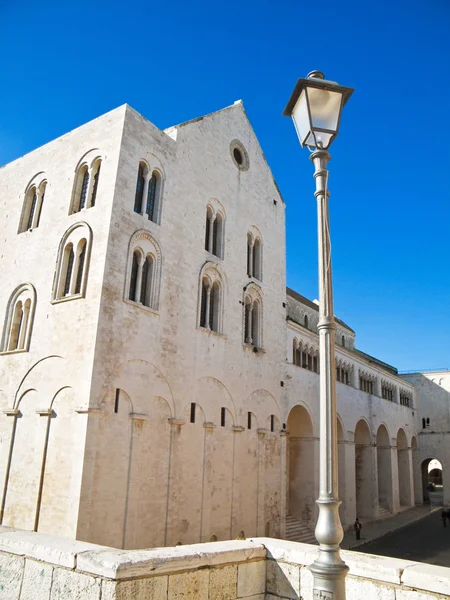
(154, 588)
(358, 589)
(223, 583)
(251, 579)
(283, 579)
(11, 573)
(416, 595)
(37, 581)
(68, 585)
(427, 577)
(193, 585)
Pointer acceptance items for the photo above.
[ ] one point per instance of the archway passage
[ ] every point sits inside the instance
(432, 481)
(365, 492)
(404, 469)
(301, 466)
(384, 468)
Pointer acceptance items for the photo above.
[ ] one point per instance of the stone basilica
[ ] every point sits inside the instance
(158, 381)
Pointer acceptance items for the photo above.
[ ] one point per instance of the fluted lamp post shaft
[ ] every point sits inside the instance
(315, 107)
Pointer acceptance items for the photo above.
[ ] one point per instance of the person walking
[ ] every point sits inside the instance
(357, 527)
(444, 517)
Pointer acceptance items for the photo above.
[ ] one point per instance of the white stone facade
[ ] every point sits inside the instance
(149, 389)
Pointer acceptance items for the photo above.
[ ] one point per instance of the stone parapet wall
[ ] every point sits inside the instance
(35, 566)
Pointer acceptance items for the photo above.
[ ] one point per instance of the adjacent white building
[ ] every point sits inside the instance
(158, 383)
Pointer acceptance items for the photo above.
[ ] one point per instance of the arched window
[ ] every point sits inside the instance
(254, 256)
(247, 322)
(147, 199)
(96, 176)
(69, 256)
(138, 197)
(86, 185)
(134, 273)
(249, 254)
(211, 303)
(217, 235)
(144, 270)
(80, 265)
(253, 317)
(256, 324)
(343, 341)
(208, 228)
(72, 263)
(32, 206)
(305, 321)
(19, 319)
(214, 232)
(147, 278)
(257, 259)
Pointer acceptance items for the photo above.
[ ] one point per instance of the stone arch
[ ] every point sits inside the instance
(366, 490)
(58, 508)
(301, 462)
(263, 404)
(20, 493)
(142, 381)
(430, 492)
(384, 469)
(212, 395)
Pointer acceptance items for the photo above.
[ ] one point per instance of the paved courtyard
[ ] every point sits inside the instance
(425, 540)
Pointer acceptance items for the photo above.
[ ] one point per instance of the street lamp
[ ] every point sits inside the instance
(315, 107)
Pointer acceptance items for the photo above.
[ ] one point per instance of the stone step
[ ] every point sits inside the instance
(383, 513)
(296, 531)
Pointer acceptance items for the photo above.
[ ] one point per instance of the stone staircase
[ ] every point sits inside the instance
(383, 513)
(296, 531)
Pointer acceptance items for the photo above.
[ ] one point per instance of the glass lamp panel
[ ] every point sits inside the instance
(320, 139)
(325, 107)
(300, 116)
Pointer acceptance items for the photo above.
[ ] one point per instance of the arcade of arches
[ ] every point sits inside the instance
(375, 471)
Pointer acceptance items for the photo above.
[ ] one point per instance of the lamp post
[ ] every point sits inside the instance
(315, 107)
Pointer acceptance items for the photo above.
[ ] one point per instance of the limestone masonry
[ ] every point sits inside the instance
(159, 382)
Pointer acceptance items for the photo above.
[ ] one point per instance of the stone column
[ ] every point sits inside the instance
(395, 483)
(37, 208)
(250, 266)
(211, 233)
(9, 412)
(236, 483)
(411, 476)
(260, 522)
(175, 427)
(205, 517)
(284, 483)
(208, 308)
(46, 412)
(249, 339)
(137, 297)
(349, 474)
(24, 325)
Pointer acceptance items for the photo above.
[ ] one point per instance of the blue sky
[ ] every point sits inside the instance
(66, 63)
